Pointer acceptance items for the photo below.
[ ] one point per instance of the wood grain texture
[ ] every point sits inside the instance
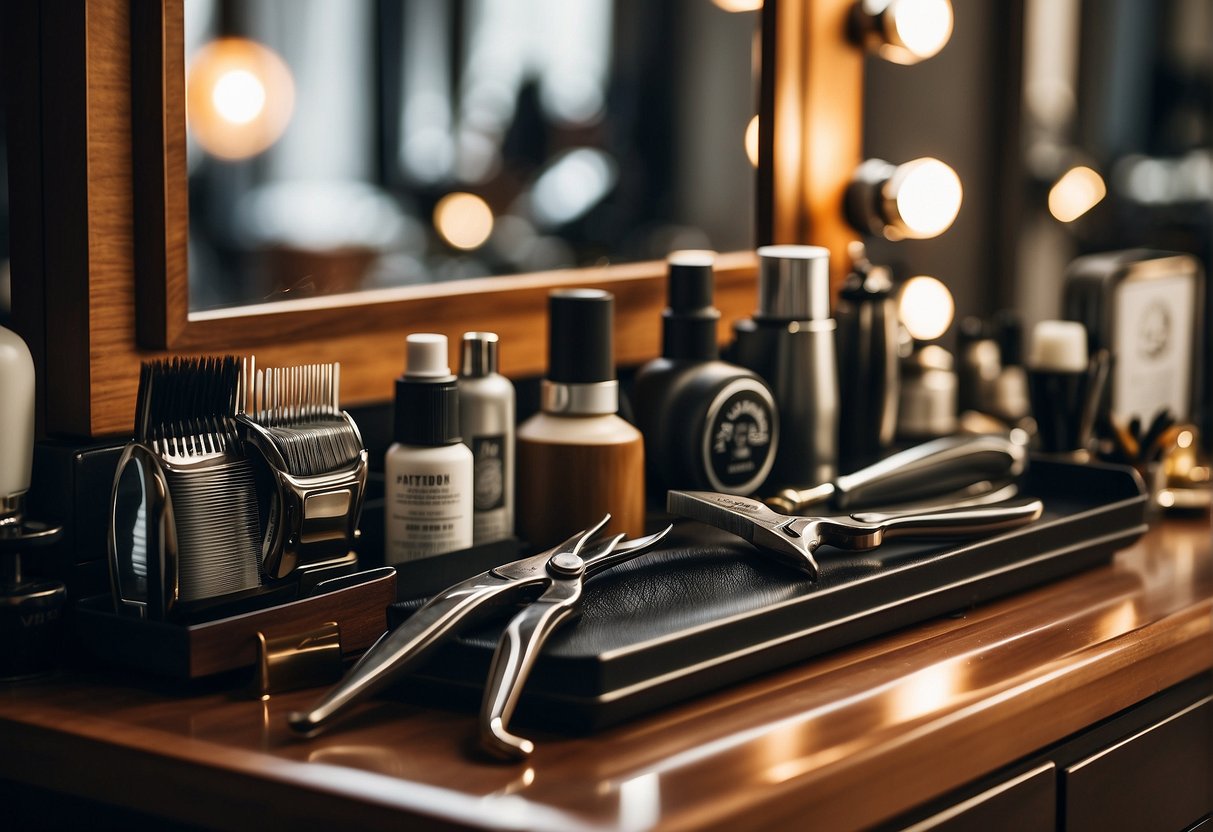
(814, 136)
(849, 739)
(159, 189)
(374, 356)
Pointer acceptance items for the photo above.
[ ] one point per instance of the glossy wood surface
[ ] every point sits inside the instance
(850, 739)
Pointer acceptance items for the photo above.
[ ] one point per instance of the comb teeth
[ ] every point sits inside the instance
(298, 407)
(288, 396)
(185, 406)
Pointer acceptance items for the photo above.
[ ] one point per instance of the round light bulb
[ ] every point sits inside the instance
(926, 308)
(919, 27)
(925, 197)
(1077, 191)
(739, 5)
(464, 220)
(751, 141)
(239, 97)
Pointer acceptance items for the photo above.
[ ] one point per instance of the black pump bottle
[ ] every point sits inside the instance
(707, 424)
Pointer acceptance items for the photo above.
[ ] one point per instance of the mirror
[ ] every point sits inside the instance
(1116, 136)
(1027, 91)
(384, 144)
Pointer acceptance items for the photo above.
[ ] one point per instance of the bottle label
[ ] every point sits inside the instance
(428, 513)
(740, 441)
(489, 472)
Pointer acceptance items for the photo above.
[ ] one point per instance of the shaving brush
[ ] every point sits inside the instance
(29, 607)
(1065, 384)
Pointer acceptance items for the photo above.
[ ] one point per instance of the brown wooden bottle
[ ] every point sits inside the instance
(577, 460)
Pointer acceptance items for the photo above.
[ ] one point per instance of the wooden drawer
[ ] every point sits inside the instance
(1159, 778)
(1024, 801)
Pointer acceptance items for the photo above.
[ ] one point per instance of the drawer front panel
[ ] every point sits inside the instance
(1160, 778)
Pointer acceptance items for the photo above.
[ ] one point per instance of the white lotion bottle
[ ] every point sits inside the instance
(486, 420)
(428, 470)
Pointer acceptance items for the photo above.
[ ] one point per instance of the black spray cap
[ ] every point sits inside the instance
(689, 322)
(866, 281)
(1009, 331)
(580, 336)
(427, 395)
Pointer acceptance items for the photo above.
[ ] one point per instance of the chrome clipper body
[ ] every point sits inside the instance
(184, 525)
(231, 489)
(317, 464)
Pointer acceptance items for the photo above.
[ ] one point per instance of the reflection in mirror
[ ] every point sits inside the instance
(367, 144)
(1117, 135)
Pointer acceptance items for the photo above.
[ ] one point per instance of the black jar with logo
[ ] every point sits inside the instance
(707, 424)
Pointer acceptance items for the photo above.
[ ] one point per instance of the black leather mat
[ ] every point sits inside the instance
(708, 609)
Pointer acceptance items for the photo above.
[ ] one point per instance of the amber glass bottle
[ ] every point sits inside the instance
(577, 459)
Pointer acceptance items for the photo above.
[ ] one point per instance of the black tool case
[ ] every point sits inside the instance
(708, 610)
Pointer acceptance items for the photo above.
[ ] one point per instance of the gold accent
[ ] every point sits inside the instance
(298, 660)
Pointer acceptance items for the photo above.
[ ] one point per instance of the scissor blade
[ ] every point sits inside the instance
(750, 520)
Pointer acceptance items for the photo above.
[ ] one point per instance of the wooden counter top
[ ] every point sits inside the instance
(849, 739)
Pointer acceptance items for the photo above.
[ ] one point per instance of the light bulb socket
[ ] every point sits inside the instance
(870, 200)
(872, 25)
(864, 202)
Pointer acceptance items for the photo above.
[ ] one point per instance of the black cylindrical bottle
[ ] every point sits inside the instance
(867, 363)
(707, 424)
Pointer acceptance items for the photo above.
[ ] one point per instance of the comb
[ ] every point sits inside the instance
(298, 408)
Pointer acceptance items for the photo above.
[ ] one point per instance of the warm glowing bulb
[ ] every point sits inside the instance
(464, 220)
(739, 5)
(239, 97)
(1077, 191)
(921, 27)
(925, 196)
(751, 141)
(926, 308)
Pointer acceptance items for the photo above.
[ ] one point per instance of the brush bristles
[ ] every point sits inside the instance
(299, 408)
(186, 406)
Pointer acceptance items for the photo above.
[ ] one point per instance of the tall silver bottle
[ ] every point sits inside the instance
(790, 342)
(486, 419)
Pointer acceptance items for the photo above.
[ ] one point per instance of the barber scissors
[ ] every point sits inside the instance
(550, 584)
(795, 540)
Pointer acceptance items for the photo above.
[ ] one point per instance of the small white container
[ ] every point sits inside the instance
(428, 471)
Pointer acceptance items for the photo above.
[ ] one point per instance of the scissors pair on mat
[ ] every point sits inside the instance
(550, 585)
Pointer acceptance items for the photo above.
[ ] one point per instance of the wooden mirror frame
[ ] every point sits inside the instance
(100, 225)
